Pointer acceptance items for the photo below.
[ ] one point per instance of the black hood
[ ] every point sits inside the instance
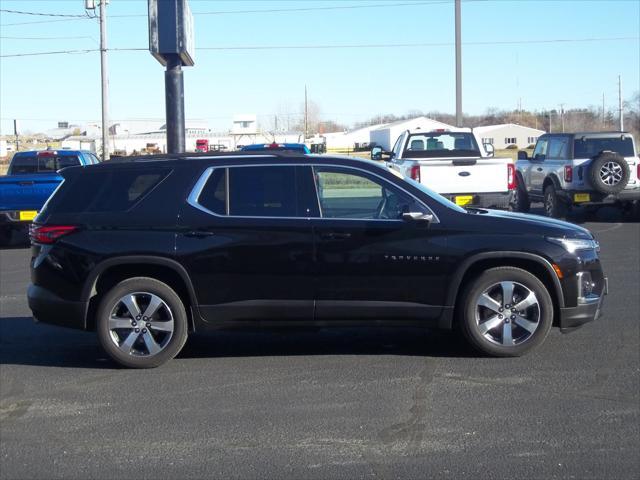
(526, 223)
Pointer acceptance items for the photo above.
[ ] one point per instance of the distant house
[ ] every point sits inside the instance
(501, 136)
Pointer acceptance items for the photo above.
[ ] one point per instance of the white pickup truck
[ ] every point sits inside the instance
(452, 163)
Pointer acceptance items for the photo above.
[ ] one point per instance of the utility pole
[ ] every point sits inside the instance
(306, 113)
(603, 121)
(458, 66)
(16, 133)
(104, 79)
(562, 116)
(620, 104)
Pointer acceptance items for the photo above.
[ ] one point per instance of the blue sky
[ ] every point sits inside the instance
(348, 84)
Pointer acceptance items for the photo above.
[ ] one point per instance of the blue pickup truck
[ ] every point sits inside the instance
(31, 179)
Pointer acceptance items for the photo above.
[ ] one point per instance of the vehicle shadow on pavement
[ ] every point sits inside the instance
(23, 342)
(606, 214)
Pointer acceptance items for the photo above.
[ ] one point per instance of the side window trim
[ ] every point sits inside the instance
(193, 197)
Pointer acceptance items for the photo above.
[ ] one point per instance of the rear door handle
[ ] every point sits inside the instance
(201, 234)
(335, 235)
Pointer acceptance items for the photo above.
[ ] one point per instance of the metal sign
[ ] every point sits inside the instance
(171, 31)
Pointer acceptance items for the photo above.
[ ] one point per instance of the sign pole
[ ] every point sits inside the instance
(174, 101)
(171, 42)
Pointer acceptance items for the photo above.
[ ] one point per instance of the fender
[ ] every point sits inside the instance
(456, 279)
(89, 287)
(554, 179)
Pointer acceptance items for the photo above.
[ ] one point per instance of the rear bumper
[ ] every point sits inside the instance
(600, 198)
(49, 308)
(574, 317)
(484, 200)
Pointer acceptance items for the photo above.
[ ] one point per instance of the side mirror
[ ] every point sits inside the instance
(417, 217)
(489, 149)
(376, 153)
(523, 155)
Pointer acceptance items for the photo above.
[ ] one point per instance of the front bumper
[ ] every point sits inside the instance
(483, 200)
(49, 308)
(587, 311)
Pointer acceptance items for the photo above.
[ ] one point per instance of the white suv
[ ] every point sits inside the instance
(568, 169)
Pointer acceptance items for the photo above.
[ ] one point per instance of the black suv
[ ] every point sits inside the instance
(145, 251)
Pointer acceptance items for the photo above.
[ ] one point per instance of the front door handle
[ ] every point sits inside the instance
(199, 234)
(335, 235)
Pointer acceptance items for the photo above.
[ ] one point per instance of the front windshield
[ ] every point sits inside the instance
(442, 144)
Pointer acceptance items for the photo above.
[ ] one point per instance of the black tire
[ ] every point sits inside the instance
(520, 201)
(6, 235)
(494, 342)
(170, 313)
(609, 173)
(554, 207)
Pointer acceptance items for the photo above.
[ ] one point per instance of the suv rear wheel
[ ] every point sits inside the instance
(141, 323)
(506, 312)
(553, 206)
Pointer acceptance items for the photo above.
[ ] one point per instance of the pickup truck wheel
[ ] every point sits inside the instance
(609, 173)
(520, 201)
(5, 236)
(506, 312)
(141, 323)
(553, 206)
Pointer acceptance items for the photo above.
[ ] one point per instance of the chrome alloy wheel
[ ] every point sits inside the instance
(507, 313)
(141, 324)
(611, 173)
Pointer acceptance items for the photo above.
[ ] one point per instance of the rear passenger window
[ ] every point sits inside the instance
(263, 191)
(214, 194)
(23, 164)
(107, 191)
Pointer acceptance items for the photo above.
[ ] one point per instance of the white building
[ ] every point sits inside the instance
(350, 140)
(501, 136)
(387, 135)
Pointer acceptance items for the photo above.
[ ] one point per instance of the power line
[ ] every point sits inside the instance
(44, 38)
(239, 12)
(42, 14)
(352, 46)
(60, 52)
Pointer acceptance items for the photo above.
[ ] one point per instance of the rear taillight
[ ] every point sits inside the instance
(48, 234)
(415, 172)
(568, 173)
(511, 176)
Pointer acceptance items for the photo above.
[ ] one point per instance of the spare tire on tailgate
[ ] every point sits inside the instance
(609, 172)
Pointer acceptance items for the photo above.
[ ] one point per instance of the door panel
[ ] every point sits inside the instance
(251, 267)
(369, 263)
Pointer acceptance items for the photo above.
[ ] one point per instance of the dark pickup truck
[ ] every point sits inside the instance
(30, 181)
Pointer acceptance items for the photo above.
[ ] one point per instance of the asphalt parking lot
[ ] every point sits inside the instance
(367, 403)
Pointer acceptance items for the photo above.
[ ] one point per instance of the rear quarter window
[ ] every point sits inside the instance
(106, 191)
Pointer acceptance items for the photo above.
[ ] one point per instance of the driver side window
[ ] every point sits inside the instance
(343, 193)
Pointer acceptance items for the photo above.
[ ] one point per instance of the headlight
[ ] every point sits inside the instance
(574, 245)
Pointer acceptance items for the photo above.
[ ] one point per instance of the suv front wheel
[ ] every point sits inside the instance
(142, 323)
(506, 312)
